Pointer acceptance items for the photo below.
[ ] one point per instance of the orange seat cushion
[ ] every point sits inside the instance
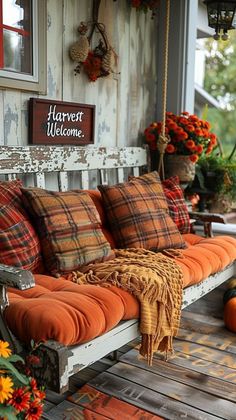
(70, 313)
(205, 256)
(66, 312)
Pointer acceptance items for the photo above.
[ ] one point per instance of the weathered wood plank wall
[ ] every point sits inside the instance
(125, 102)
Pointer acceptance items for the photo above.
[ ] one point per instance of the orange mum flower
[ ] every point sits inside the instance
(199, 149)
(213, 139)
(209, 150)
(150, 137)
(198, 132)
(182, 136)
(170, 148)
(188, 134)
(172, 125)
(190, 144)
(190, 127)
(193, 158)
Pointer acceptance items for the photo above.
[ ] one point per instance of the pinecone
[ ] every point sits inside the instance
(79, 50)
(107, 61)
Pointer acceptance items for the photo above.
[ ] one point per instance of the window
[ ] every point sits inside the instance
(23, 45)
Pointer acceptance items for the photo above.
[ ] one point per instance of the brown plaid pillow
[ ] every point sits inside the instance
(138, 216)
(19, 243)
(69, 228)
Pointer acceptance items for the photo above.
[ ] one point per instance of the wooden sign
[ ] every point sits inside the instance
(57, 122)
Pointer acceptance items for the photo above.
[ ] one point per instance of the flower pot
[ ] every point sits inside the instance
(220, 204)
(180, 165)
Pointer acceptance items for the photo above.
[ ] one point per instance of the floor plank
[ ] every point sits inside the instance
(198, 382)
(140, 396)
(210, 340)
(203, 366)
(206, 353)
(177, 373)
(179, 392)
(109, 406)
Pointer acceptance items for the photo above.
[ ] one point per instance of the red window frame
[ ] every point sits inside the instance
(11, 28)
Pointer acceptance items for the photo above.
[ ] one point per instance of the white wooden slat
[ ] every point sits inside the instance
(85, 180)
(11, 177)
(196, 291)
(103, 177)
(136, 171)
(121, 175)
(40, 180)
(63, 181)
(68, 158)
(88, 353)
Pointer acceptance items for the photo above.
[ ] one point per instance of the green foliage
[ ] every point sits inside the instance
(224, 175)
(8, 366)
(220, 82)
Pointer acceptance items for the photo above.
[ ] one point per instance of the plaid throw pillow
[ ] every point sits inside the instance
(19, 243)
(69, 228)
(137, 212)
(176, 204)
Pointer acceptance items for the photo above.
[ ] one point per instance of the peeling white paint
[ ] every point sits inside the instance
(125, 103)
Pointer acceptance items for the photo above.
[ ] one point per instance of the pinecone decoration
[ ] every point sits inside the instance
(79, 50)
(107, 61)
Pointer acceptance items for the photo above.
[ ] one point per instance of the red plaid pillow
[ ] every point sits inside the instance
(138, 215)
(176, 204)
(19, 243)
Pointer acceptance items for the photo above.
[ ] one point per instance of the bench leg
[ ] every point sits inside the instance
(52, 369)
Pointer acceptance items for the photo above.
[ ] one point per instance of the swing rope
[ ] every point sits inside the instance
(163, 138)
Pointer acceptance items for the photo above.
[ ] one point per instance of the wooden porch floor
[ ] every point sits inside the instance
(198, 382)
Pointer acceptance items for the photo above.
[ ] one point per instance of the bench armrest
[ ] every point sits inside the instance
(16, 277)
(207, 219)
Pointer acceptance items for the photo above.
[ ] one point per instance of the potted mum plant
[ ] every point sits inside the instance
(218, 175)
(20, 397)
(189, 138)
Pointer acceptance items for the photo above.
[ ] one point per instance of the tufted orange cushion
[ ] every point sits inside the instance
(66, 312)
(79, 313)
(205, 256)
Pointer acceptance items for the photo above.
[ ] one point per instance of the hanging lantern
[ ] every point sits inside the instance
(221, 17)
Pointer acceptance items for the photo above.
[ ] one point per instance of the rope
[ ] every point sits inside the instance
(163, 139)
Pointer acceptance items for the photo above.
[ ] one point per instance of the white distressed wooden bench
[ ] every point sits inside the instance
(59, 168)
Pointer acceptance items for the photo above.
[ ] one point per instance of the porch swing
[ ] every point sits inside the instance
(58, 362)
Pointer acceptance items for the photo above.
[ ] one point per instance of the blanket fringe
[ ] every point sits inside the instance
(155, 280)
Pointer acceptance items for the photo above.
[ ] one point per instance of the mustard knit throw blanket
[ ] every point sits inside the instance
(155, 280)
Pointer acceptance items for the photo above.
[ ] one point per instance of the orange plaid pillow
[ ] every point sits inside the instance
(69, 228)
(138, 215)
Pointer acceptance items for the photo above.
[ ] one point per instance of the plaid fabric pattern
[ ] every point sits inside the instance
(69, 228)
(138, 216)
(19, 243)
(10, 193)
(176, 204)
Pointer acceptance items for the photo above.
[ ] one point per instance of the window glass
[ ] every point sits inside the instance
(23, 45)
(17, 36)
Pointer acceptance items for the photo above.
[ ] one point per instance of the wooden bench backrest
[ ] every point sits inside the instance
(91, 165)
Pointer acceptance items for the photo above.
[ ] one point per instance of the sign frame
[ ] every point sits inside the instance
(53, 122)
